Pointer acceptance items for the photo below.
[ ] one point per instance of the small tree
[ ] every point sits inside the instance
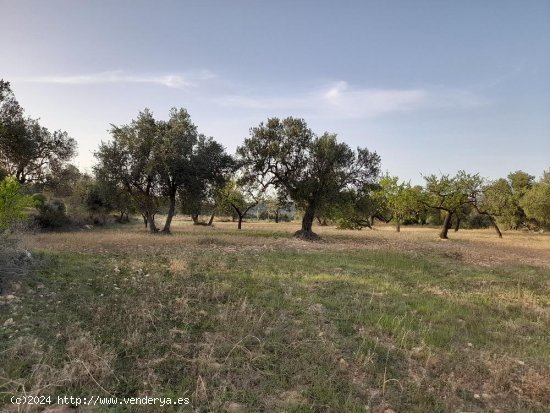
(536, 201)
(275, 204)
(12, 203)
(400, 199)
(503, 198)
(449, 194)
(239, 197)
(355, 209)
(453, 195)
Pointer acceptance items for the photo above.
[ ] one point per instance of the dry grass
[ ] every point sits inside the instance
(259, 321)
(480, 247)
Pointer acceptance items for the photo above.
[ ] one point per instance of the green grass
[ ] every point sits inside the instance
(280, 330)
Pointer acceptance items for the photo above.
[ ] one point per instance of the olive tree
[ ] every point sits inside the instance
(28, 151)
(129, 160)
(313, 170)
(154, 161)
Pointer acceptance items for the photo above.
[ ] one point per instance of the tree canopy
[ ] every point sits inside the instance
(28, 150)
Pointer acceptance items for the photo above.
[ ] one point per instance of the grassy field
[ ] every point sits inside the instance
(256, 321)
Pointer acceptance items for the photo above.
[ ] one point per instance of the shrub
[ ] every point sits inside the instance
(12, 203)
(51, 214)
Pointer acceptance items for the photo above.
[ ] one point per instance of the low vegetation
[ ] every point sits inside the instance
(258, 321)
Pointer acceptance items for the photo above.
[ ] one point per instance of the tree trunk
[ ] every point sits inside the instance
(398, 227)
(495, 226)
(457, 224)
(307, 222)
(211, 218)
(319, 220)
(277, 216)
(152, 227)
(371, 220)
(195, 218)
(144, 219)
(445, 226)
(240, 224)
(171, 212)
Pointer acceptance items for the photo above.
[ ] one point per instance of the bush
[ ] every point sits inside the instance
(51, 214)
(12, 203)
(476, 221)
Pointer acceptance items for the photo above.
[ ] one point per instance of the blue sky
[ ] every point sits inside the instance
(432, 86)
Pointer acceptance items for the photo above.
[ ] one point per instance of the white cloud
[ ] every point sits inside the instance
(340, 100)
(178, 81)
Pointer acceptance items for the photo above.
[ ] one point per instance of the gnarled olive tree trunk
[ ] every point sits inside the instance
(307, 223)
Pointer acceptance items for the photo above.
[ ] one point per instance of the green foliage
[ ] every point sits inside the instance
(314, 171)
(28, 150)
(503, 198)
(400, 199)
(355, 209)
(236, 199)
(97, 201)
(12, 203)
(501, 201)
(536, 202)
(130, 161)
(154, 161)
(453, 195)
(52, 214)
(62, 180)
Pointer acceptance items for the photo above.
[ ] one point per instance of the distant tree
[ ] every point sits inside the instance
(96, 201)
(28, 150)
(99, 198)
(536, 201)
(52, 213)
(400, 199)
(12, 203)
(130, 160)
(276, 203)
(62, 180)
(239, 197)
(210, 169)
(503, 198)
(313, 171)
(451, 194)
(355, 210)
